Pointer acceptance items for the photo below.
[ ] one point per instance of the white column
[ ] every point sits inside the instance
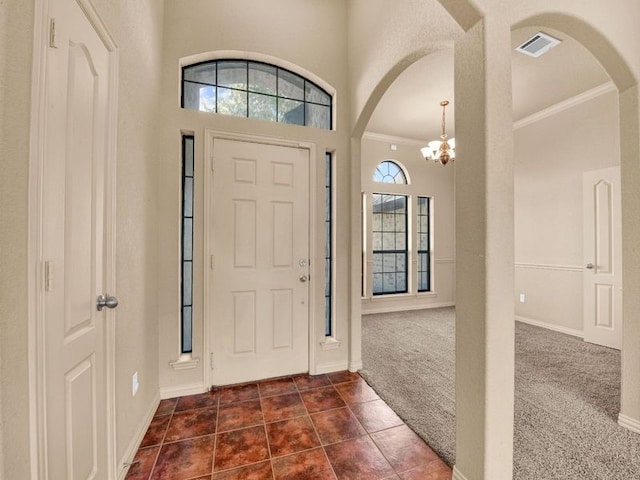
(484, 253)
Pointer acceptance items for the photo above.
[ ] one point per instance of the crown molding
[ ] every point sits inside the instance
(381, 137)
(523, 122)
(565, 104)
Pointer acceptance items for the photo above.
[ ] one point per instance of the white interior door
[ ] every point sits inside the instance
(73, 247)
(259, 262)
(603, 257)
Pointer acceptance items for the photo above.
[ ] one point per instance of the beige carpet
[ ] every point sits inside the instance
(566, 405)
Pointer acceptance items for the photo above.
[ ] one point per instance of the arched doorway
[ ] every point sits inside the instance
(486, 187)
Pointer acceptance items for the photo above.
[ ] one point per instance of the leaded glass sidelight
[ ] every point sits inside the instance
(328, 229)
(424, 247)
(187, 245)
(255, 90)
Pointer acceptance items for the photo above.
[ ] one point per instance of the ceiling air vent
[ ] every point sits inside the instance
(538, 44)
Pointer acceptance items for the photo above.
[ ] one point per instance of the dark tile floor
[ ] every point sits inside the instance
(305, 427)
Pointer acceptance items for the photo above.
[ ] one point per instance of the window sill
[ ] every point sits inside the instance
(185, 362)
(399, 296)
(330, 343)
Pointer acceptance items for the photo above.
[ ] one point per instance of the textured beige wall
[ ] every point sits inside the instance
(309, 35)
(551, 156)
(426, 179)
(137, 30)
(16, 40)
(385, 37)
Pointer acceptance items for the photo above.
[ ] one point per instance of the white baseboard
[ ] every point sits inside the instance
(355, 366)
(457, 475)
(629, 423)
(131, 450)
(550, 326)
(182, 390)
(404, 308)
(330, 367)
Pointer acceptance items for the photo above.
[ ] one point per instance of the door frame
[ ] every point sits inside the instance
(35, 292)
(209, 138)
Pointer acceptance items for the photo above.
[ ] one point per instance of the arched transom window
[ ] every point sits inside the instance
(255, 90)
(389, 172)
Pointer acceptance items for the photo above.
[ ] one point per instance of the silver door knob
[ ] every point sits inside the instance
(106, 301)
(589, 266)
(303, 278)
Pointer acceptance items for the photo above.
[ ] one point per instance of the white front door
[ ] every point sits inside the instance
(73, 247)
(258, 261)
(603, 257)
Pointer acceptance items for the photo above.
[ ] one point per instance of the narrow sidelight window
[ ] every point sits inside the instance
(187, 244)
(328, 234)
(424, 251)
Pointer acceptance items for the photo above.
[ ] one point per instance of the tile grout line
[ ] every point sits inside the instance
(335, 475)
(369, 434)
(163, 437)
(266, 434)
(215, 437)
(155, 461)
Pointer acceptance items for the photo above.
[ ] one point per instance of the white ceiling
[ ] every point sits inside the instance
(411, 106)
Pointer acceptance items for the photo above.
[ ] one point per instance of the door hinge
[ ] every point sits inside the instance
(211, 161)
(211, 262)
(47, 271)
(52, 33)
(211, 361)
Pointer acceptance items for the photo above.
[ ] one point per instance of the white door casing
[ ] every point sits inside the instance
(602, 257)
(258, 260)
(76, 242)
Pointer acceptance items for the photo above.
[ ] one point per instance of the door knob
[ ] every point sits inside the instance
(589, 266)
(106, 301)
(303, 278)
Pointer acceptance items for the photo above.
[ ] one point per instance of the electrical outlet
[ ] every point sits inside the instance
(522, 298)
(135, 384)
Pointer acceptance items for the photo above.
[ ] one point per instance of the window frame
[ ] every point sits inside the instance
(329, 255)
(304, 101)
(400, 173)
(395, 251)
(412, 193)
(186, 332)
(420, 251)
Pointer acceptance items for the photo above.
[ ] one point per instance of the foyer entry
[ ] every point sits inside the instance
(257, 260)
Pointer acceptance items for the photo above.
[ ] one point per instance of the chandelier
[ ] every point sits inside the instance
(441, 150)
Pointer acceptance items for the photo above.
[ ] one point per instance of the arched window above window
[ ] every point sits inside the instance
(255, 90)
(389, 172)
